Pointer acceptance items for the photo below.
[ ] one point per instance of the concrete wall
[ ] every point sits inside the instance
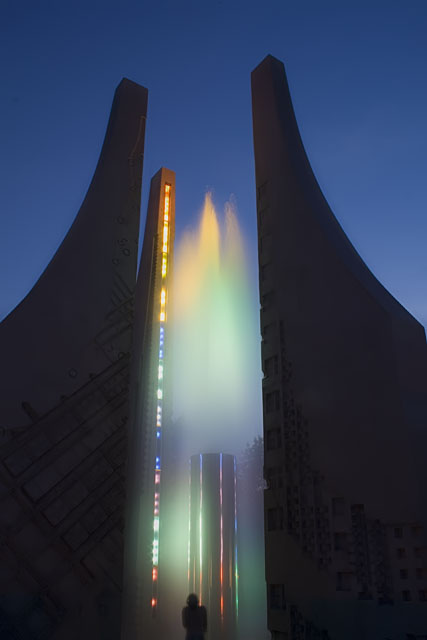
(345, 405)
(65, 406)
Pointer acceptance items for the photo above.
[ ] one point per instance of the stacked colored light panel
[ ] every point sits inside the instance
(201, 529)
(236, 572)
(159, 394)
(221, 569)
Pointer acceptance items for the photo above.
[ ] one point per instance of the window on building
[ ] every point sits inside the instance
(418, 552)
(403, 574)
(267, 330)
(398, 532)
(420, 573)
(422, 595)
(271, 366)
(357, 510)
(406, 596)
(338, 506)
(416, 531)
(272, 401)
(277, 596)
(401, 552)
(340, 541)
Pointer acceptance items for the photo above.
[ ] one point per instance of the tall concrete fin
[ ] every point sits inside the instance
(345, 407)
(66, 327)
(65, 405)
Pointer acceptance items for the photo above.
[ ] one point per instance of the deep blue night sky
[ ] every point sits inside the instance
(357, 74)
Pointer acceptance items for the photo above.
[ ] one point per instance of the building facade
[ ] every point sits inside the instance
(65, 408)
(345, 410)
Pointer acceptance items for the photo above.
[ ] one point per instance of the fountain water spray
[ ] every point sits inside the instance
(217, 399)
(216, 360)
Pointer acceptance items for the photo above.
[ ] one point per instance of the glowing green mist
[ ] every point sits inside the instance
(216, 379)
(216, 359)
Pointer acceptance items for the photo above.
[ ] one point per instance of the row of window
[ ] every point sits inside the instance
(271, 366)
(401, 552)
(272, 401)
(416, 531)
(267, 330)
(420, 573)
(407, 595)
(275, 522)
(344, 582)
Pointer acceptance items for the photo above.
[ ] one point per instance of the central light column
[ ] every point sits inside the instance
(212, 561)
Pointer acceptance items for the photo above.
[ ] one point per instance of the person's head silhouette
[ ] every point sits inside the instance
(192, 601)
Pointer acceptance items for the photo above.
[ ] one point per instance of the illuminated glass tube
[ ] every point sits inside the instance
(212, 567)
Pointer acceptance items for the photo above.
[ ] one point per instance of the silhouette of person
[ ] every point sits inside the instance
(194, 618)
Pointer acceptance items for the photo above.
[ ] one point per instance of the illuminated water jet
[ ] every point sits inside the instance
(217, 407)
(196, 342)
(216, 362)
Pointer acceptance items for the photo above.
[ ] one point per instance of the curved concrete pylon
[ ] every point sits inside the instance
(345, 408)
(65, 353)
(67, 326)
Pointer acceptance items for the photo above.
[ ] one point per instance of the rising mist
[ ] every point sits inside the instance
(216, 380)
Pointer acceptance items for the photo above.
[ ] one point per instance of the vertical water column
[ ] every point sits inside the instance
(212, 558)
